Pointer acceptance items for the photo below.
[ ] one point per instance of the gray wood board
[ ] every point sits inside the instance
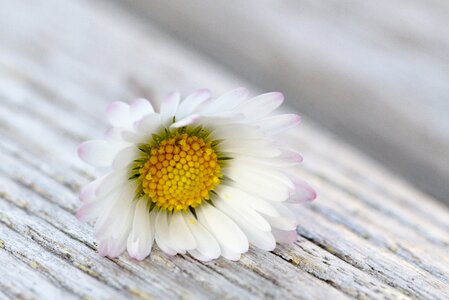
(368, 235)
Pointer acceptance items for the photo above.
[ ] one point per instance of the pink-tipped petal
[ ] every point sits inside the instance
(290, 155)
(284, 236)
(303, 192)
(102, 249)
(118, 114)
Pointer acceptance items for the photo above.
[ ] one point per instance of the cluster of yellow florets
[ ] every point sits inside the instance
(180, 172)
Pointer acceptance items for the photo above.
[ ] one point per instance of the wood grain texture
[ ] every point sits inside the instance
(368, 236)
(376, 73)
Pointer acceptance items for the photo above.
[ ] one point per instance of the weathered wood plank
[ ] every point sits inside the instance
(369, 235)
(14, 287)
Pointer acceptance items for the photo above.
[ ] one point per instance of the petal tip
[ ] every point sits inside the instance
(137, 256)
(203, 91)
(79, 215)
(278, 96)
(113, 106)
(313, 195)
(241, 91)
(83, 196)
(138, 101)
(173, 94)
(81, 151)
(296, 119)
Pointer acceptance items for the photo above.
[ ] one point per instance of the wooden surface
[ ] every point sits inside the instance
(369, 235)
(374, 72)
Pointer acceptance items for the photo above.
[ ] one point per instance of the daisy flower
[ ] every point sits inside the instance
(200, 175)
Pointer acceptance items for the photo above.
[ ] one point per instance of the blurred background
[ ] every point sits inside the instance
(375, 73)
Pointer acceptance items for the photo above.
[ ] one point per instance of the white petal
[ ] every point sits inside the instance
(258, 152)
(227, 233)
(115, 234)
(118, 114)
(117, 216)
(228, 144)
(256, 148)
(256, 203)
(197, 255)
(121, 225)
(180, 235)
(112, 181)
(274, 174)
(91, 210)
(287, 158)
(169, 107)
(186, 121)
(116, 243)
(222, 118)
(256, 184)
(135, 138)
(286, 220)
(280, 123)
(192, 102)
(236, 131)
(262, 239)
(98, 153)
(237, 207)
(112, 247)
(108, 212)
(227, 101)
(141, 237)
(282, 223)
(87, 193)
(161, 244)
(229, 254)
(125, 157)
(149, 124)
(261, 105)
(162, 233)
(114, 135)
(139, 108)
(207, 245)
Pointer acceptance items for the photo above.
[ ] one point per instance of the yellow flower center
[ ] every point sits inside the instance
(180, 172)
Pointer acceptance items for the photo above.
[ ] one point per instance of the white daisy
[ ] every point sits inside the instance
(204, 176)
